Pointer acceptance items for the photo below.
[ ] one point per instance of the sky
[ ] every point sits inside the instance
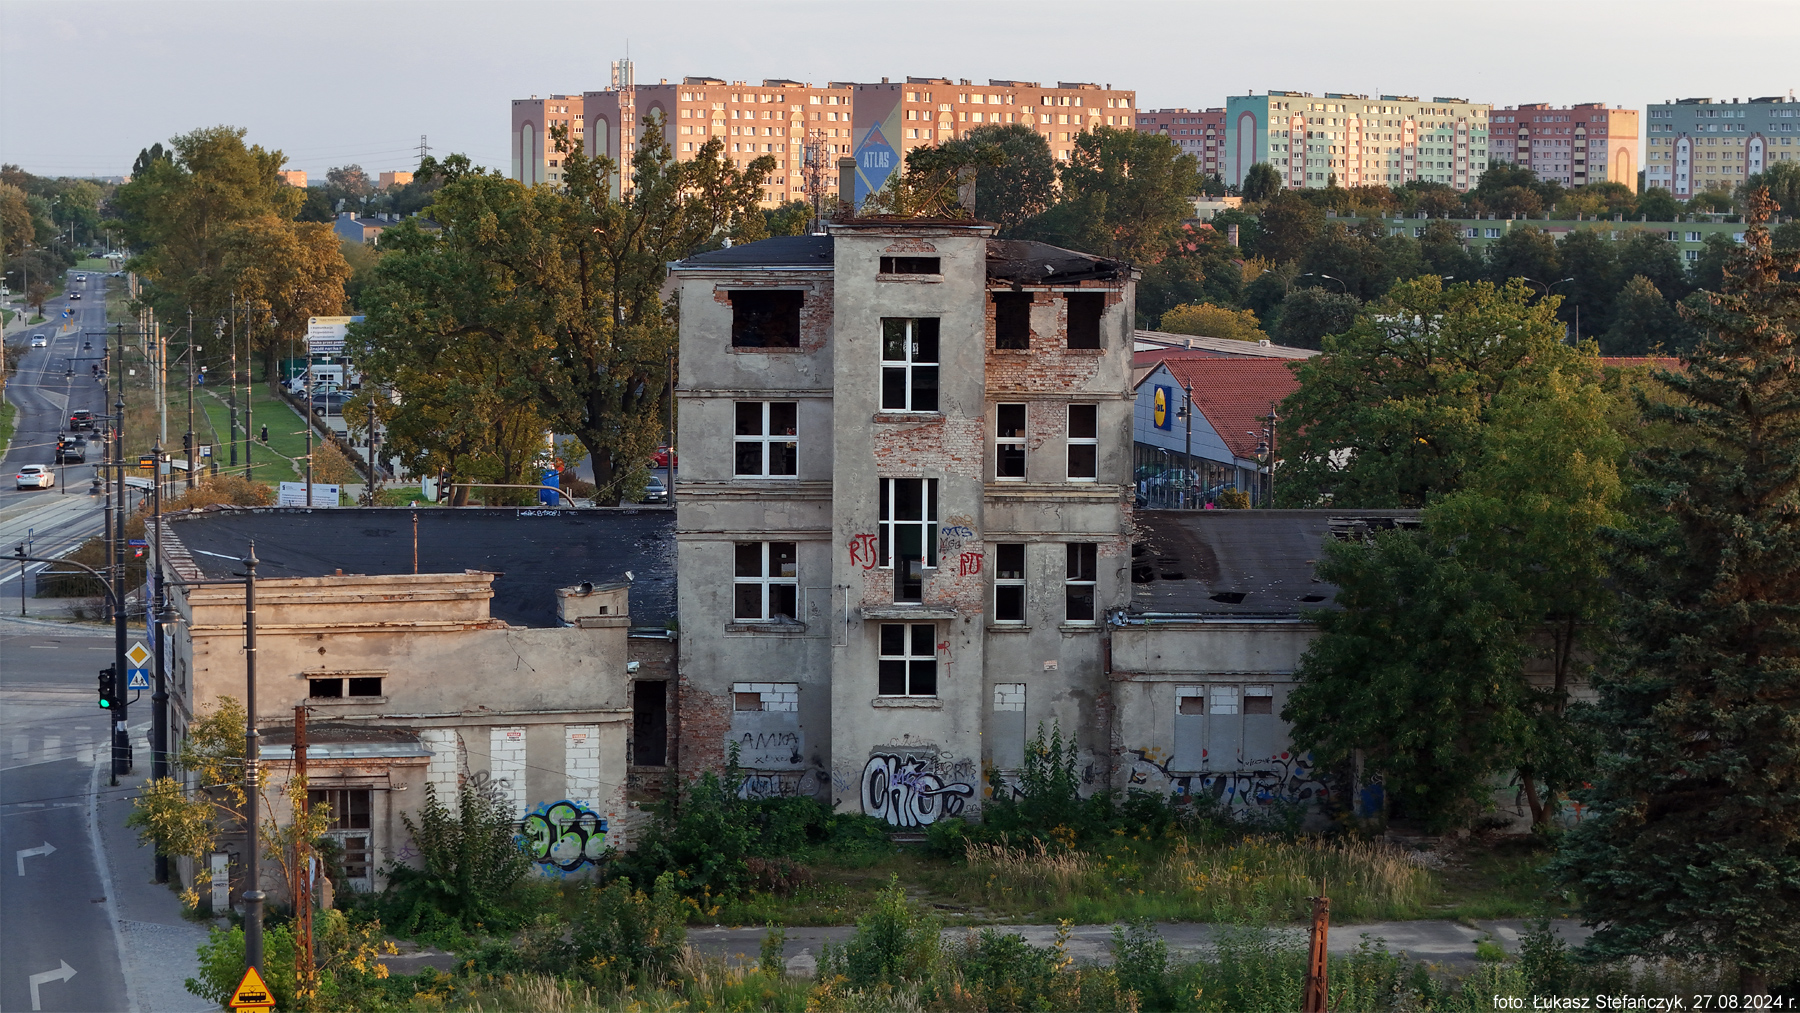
(85, 86)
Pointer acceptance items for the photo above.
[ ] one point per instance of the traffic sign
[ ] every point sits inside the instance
(251, 993)
(139, 655)
(137, 678)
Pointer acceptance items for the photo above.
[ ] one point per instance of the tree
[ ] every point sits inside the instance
(1261, 183)
(1593, 262)
(1782, 180)
(1649, 253)
(1392, 414)
(1289, 224)
(1213, 322)
(1708, 272)
(1691, 844)
(1446, 254)
(1715, 199)
(1643, 322)
(1524, 252)
(1021, 185)
(351, 179)
(1658, 205)
(1124, 195)
(16, 229)
(1516, 202)
(1309, 314)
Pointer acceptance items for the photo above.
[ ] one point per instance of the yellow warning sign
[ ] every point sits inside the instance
(251, 993)
(138, 655)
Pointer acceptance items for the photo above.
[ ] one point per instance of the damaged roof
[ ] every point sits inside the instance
(534, 550)
(1020, 262)
(1248, 564)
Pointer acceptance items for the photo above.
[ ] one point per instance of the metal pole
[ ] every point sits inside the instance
(234, 379)
(1187, 479)
(159, 702)
(303, 954)
(253, 894)
(189, 437)
(249, 391)
(121, 738)
(371, 450)
(1317, 966)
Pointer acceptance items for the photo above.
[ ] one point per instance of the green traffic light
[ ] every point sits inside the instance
(106, 704)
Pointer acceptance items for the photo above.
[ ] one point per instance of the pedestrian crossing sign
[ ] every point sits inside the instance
(251, 993)
(137, 678)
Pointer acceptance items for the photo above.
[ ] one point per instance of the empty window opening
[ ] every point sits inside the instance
(746, 701)
(767, 583)
(1012, 320)
(365, 686)
(909, 364)
(1084, 318)
(1009, 583)
(348, 824)
(325, 688)
(1191, 705)
(766, 444)
(765, 319)
(1009, 441)
(907, 538)
(1078, 592)
(1084, 442)
(650, 723)
(910, 265)
(908, 660)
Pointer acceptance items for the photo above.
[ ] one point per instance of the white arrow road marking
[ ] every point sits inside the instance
(25, 853)
(63, 973)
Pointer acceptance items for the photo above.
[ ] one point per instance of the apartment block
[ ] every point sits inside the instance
(1572, 145)
(893, 118)
(293, 177)
(1698, 144)
(396, 178)
(775, 117)
(534, 156)
(1197, 132)
(1358, 140)
(905, 508)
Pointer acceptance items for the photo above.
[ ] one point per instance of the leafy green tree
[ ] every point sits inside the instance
(1643, 321)
(1125, 194)
(790, 219)
(1592, 261)
(1020, 184)
(1309, 314)
(1525, 252)
(1658, 205)
(1213, 322)
(1715, 199)
(1649, 253)
(1782, 180)
(1446, 255)
(469, 862)
(1288, 226)
(16, 228)
(1392, 414)
(1261, 182)
(1708, 273)
(1691, 844)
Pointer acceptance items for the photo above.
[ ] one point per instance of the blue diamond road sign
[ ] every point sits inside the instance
(137, 678)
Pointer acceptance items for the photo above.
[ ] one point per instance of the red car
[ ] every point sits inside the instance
(661, 458)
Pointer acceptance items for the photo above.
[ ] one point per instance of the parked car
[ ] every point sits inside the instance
(80, 419)
(329, 404)
(661, 458)
(36, 476)
(39, 341)
(655, 491)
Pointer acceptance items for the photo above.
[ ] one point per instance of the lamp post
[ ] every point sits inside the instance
(1327, 277)
(1187, 475)
(253, 893)
(154, 619)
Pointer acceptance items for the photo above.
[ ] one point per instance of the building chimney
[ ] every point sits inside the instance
(965, 188)
(1231, 233)
(846, 187)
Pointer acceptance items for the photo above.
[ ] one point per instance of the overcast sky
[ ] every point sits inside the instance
(84, 86)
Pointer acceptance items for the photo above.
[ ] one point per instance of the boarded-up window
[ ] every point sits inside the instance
(765, 319)
(1259, 724)
(1009, 725)
(1012, 320)
(1190, 729)
(1084, 318)
(1224, 728)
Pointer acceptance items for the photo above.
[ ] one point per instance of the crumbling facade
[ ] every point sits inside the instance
(904, 512)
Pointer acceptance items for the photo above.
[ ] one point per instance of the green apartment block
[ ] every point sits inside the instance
(1689, 236)
(1698, 144)
(1389, 140)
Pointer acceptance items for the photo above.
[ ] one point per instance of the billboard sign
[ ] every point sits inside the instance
(325, 335)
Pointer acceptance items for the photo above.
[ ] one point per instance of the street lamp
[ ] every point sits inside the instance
(1327, 277)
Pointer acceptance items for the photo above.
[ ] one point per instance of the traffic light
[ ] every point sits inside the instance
(108, 688)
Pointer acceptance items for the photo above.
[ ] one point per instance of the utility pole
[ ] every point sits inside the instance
(303, 954)
(307, 417)
(249, 389)
(253, 893)
(188, 437)
(671, 443)
(153, 623)
(121, 738)
(1317, 967)
(1187, 478)
(372, 464)
(234, 379)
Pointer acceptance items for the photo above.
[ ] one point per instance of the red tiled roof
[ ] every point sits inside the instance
(1233, 393)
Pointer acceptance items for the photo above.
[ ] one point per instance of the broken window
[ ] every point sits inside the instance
(1009, 583)
(908, 660)
(325, 688)
(764, 319)
(908, 533)
(650, 723)
(1009, 441)
(365, 686)
(1012, 320)
(766, 447)
(766, 584)
(1084, 318)
(1084, 442)
(909, 364)
(348, 824)
(910, 265)
(1078, 586)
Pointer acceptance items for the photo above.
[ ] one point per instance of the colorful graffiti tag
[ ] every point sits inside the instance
(1285, 778)
(902, 792)
(564, 835)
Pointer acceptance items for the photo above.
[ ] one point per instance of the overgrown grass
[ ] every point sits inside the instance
(1499, 877)
(9, 414)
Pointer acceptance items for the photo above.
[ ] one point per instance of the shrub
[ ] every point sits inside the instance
(622, 935)
(894, 942)
(471, 862)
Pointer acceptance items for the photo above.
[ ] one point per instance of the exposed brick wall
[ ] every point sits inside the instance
(1049, 365)
(815, 312)
(952, 446)
(658, 659)
(705, 722)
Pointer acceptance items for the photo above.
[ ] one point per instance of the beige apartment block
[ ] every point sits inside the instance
(293, 177)
(1357, 140)
(534, 156)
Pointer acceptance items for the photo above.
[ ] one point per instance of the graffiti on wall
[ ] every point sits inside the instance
(864, 551)
(904, 792)
(1285, 778)
(758, 750)
(563, 835)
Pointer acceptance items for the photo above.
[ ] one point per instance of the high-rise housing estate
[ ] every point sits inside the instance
(1358, 140)
(1698, 144)
(893, 118)
(1197, 132)
(293, 177)
(534, 155)
(1572, 145)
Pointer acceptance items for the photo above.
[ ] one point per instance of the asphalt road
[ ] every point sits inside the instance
(57, 906)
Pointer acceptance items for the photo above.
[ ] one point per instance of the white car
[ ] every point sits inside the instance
(38, 341)
(36, 476)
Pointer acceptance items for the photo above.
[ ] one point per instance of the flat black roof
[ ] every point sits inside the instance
(534, 550)
(1242, 563)
(1015, 260)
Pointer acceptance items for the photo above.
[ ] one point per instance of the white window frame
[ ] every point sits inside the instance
(1009, 582)
(889, 525)
(1073, 578)
(1081, 441)
(765, 581)
(908, 658)
(1001, 440)
(910, 367)
(765, 438)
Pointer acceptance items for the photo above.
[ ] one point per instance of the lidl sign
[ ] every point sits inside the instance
(1160, 413)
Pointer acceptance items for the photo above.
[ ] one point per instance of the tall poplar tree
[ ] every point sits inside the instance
(1691, 846)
